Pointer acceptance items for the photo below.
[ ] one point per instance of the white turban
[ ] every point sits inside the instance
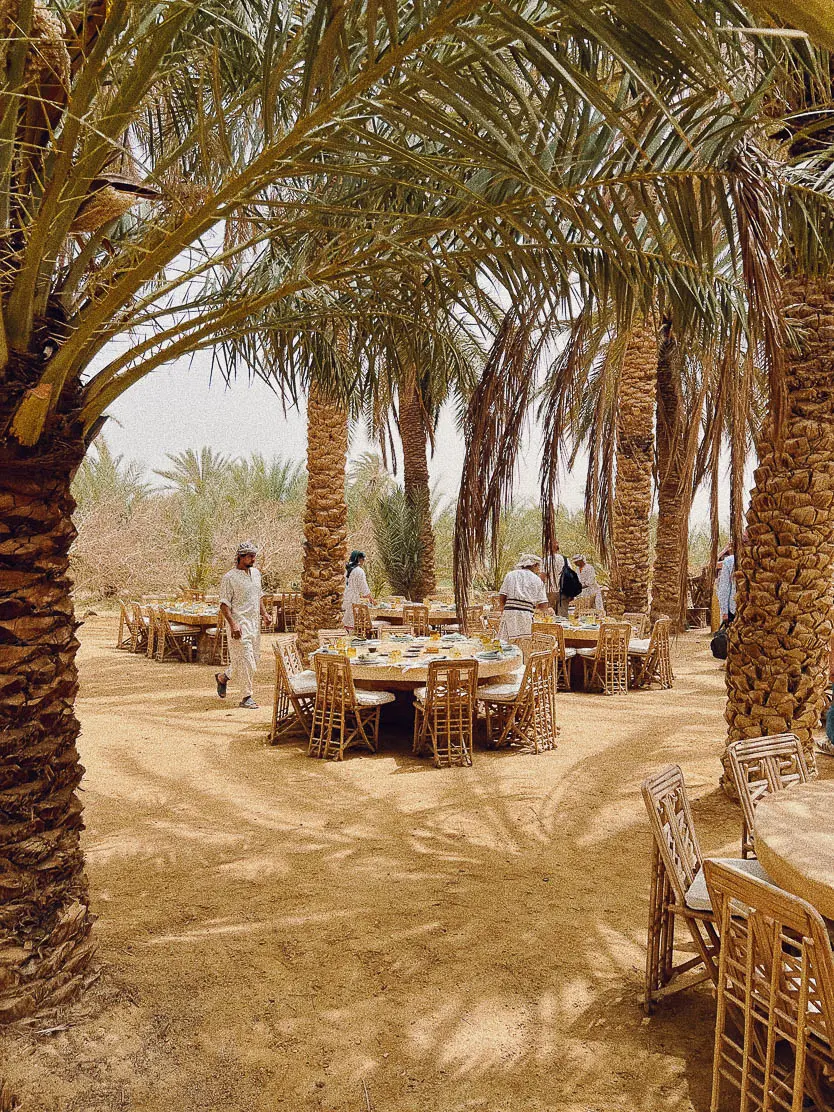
(528, 560)
(579, 559)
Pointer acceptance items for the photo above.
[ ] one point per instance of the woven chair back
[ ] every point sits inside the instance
(126, 635)
(416, 614)
(473, 621)
(450, 709)
(639, 621)
(670, 817)
(220, 649)
(538, 693)
(288, 709)
(290, 602)
(334, 709)
(583, 605)
(362, 620)
(659, 656)
(167, 642)
(612, 657)
(139, 629)
(387, 632)
(329, 637)
(761, 766)
(561, 660)
(775, 986)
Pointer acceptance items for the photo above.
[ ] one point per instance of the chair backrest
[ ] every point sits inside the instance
(639, 622)
(362, 619)
(328, 637)
(558, 636)
(416, 614)
(450, 692)
(763, 765)
(334, 682)
(670, 817)
(389, 631)
(126, 614)
(582, 604)
(544, 643)
(290, 602)
(525, 643)
(473, 620)
(287, 656)
(539, 687)
(775, 982)
(612, 655)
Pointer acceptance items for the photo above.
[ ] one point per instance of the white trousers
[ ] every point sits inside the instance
(244, 653)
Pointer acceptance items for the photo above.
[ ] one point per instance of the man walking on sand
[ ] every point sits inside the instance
(242, 606)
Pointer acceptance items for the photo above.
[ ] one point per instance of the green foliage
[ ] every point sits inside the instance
(103, 477)
(397, 527)
(275, 480)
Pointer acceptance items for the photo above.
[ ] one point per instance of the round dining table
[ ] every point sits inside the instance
(584, 636)
(794, 835)
(372, 667)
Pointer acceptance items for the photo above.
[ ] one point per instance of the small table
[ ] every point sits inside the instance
(794, 833)
(411, 672)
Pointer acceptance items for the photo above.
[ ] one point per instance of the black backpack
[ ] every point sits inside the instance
(569, 585)
(719, 643)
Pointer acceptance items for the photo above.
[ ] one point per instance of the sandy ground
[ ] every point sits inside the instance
(276, 932)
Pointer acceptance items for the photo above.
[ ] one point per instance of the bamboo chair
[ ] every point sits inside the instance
(775, 1010)
(174, 640)
(474, 621)
(386, 632)
(342, 716)
(606, 664)
(219, 635)
(676, 861)
(295, 690)
(651, 660)
(761, 766)
(524, 713)
(289, 610)
(583, 606)
(444, 712)
(126, 635)
(416, 614)
(639, 622)
(142, 627)
(363, 625)
(563, 655)
(329, 637)
(150, 644)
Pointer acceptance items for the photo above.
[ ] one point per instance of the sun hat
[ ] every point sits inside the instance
(528, 560)
(245, 548)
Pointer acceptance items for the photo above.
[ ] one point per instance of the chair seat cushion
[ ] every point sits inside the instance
(569, 653)
(499, 692)
(697, 896)
(420, 694)
(374, 698)
(179, 627)
(589, 654)
(303, 683)
(639, 645)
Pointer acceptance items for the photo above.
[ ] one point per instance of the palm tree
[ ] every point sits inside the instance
(104, 477)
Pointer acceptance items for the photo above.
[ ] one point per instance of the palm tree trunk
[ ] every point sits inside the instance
(414, 436)
(777, 667)
(635, 444)
(673, 504)
(325, 520)
(44, 916)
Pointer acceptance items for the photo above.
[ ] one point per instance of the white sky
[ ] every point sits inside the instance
(180, 407)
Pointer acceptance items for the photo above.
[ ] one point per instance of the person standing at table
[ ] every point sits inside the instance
(356, 587)
(522, 593)
(554, 565)
(588, 578)
(726, 588)
(241, 604)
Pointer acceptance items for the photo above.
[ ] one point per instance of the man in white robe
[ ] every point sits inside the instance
(588, 579)
(241, 604)
(554, 565)
(522, 593)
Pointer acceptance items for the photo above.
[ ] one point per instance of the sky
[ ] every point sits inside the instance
(182, 406)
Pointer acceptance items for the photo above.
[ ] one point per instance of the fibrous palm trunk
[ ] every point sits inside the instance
(44, 917)
(414, 435)
(325, 520)
(635, 444)
(777, 666)
(674, 482)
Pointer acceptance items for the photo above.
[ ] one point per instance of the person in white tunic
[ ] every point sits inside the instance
(554, 565)
(522, 593)
(356, 587)
(588, 579)
(241, 604)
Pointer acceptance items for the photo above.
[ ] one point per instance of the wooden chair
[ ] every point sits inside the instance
(606, 664)
(639, 622)
(582, 605)
(363, 625)
(150, 644)
(342, 716)
(386, 632)
(524, 713)
(563, 655)
(219, 635)
(760, 766)
(329, 637)
(290, 601)
(416, 614)
(444, 712)
(676, 861)
(774, 1020)
(295, 690)
(174, 640)
(474, 621)
(493, 623)
(651, 660)
(142, 626)
(125, 636)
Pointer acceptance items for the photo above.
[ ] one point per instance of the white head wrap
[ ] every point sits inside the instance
(527, 560)
(247, 547)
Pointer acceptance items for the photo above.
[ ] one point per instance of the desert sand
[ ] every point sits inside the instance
(276, 932)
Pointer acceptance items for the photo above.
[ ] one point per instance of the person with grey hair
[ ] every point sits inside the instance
(588, 579)
(241, 604)
(522, 593)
